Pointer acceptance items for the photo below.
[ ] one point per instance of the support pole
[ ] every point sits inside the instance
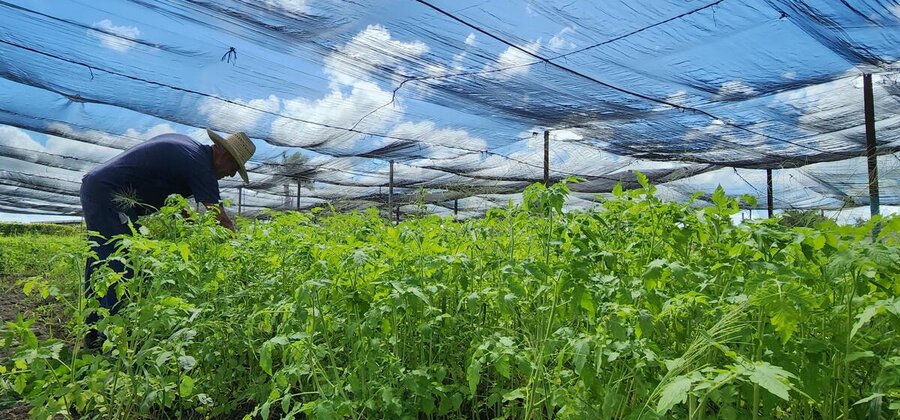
(546, 158)
(770, 202)
(455, 208)
(391, 191)
(298, 194)
(871, 146)
(240, 197)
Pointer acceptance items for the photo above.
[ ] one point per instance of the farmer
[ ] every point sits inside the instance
(137, 182)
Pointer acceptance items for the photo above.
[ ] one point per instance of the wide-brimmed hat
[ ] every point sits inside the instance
(238, 146)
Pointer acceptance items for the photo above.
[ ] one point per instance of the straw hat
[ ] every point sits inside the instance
(238, 146)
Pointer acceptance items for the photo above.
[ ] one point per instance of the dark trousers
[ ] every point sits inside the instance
(103, 217)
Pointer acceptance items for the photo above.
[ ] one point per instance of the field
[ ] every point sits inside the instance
(636, 309)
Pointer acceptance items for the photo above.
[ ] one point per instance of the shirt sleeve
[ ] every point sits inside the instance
(201, 178)
(204, 188)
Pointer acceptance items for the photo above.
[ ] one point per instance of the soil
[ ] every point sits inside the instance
(13, 301)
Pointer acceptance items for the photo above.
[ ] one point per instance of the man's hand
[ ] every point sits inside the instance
(221, 216)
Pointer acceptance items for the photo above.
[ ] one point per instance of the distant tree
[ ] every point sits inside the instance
(801, 218)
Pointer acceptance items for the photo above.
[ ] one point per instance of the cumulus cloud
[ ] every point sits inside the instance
(435, 137)
(239, 116)
(678, 98)
(369, 51)
(293, 6)
(470, 40)
(27, 155)
(458, 60)
(16, 137)
(559, 41)
(818, 106)
(116, 38)
(734, 89)
(337, 109)
(515, 61)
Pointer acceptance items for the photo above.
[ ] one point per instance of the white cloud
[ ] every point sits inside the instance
(369, 51)
(336, 109)
(457, 61)
(470, 40)
(515, 61)
(896, 10)
(19, 141)
(734, 89)
(559, 41)
(678, 98)
(16, 137)
(565, 135)
(293, 6)
(818, 106)
(151, 132)
(791, 75)
(240, 116)
(120, 38)
(431, 135)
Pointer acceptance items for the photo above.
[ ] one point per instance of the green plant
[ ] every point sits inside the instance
(638, 308)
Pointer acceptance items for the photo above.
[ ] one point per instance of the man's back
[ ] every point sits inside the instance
(153, 170)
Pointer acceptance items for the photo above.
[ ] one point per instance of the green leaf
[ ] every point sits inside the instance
(865, 316)
(773, 378)
(869, 398)
(162, 358)
(674, 364)
(265, 358)
(858, 355)
(264, 411)
(642, 179)
(286, 403)
(473, 375)
(187, 362)
(516, 394)
(502, 366)
(186, 387)
(786, 320)
(580, 351)
(19, 384)
(675, 392)
(719, 198)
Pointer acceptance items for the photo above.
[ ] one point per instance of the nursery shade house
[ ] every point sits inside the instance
(460, 104)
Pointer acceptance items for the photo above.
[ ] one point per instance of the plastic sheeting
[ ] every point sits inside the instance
(457, 93)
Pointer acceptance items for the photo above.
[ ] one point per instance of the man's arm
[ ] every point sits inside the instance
(221, 216)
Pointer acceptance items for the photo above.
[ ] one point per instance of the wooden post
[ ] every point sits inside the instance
(391, 191)
(240, 196)
(546, 158)
(769, 199)
(455, 207)
(871, 146)
(750, 216)
(298, 194)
